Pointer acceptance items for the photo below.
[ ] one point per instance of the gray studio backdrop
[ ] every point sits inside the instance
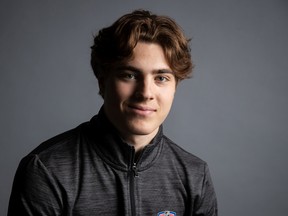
(232, 113)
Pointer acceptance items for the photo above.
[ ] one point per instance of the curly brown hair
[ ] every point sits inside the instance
(114, 45)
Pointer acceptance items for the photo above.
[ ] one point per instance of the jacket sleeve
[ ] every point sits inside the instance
(34, 191)
(207, 204)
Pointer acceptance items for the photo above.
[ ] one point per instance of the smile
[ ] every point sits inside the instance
(141, 110)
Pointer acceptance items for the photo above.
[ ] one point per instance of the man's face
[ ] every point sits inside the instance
(138, 94)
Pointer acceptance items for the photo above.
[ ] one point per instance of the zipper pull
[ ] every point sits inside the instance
(135, 171)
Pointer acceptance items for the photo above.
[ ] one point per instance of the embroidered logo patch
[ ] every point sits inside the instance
(166, 213)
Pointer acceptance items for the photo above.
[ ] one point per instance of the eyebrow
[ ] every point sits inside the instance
(137, 70)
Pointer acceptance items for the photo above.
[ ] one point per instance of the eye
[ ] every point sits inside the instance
(127, 76)
(162, 79)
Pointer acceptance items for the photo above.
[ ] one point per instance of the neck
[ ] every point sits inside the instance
(139, 141)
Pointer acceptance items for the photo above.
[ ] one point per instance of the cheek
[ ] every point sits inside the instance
(121, 87)
(169, 101)
(167, 98)
(168, 94)
(111, 92)
(122, 90)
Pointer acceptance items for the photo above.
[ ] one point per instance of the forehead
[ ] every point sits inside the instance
(149, 56)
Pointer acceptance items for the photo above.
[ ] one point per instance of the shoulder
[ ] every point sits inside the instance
(58, 142)
(61, 149)
(192, 170)
(188, 166)
(57, 159)
(181, 155)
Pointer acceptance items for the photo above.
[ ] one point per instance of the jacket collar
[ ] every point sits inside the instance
(115, 152)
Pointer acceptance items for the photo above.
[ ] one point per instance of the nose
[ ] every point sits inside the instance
(144, 89)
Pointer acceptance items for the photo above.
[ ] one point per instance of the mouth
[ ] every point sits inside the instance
(141, 109)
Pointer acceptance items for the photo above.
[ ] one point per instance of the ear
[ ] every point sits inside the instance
(101, 84)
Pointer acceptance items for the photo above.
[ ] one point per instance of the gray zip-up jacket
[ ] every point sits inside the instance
(90, 171)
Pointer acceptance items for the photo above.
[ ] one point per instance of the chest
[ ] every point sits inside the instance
(104, 190)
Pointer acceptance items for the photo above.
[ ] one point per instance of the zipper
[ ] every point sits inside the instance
(133, 173)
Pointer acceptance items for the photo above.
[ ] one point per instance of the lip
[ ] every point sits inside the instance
(141, 109)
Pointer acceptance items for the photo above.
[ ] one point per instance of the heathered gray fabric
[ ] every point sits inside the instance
(88, 171)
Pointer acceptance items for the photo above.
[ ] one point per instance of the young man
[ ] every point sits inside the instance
(120, 163)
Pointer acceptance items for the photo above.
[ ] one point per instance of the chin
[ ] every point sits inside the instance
(139, 126)
(141, 130)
